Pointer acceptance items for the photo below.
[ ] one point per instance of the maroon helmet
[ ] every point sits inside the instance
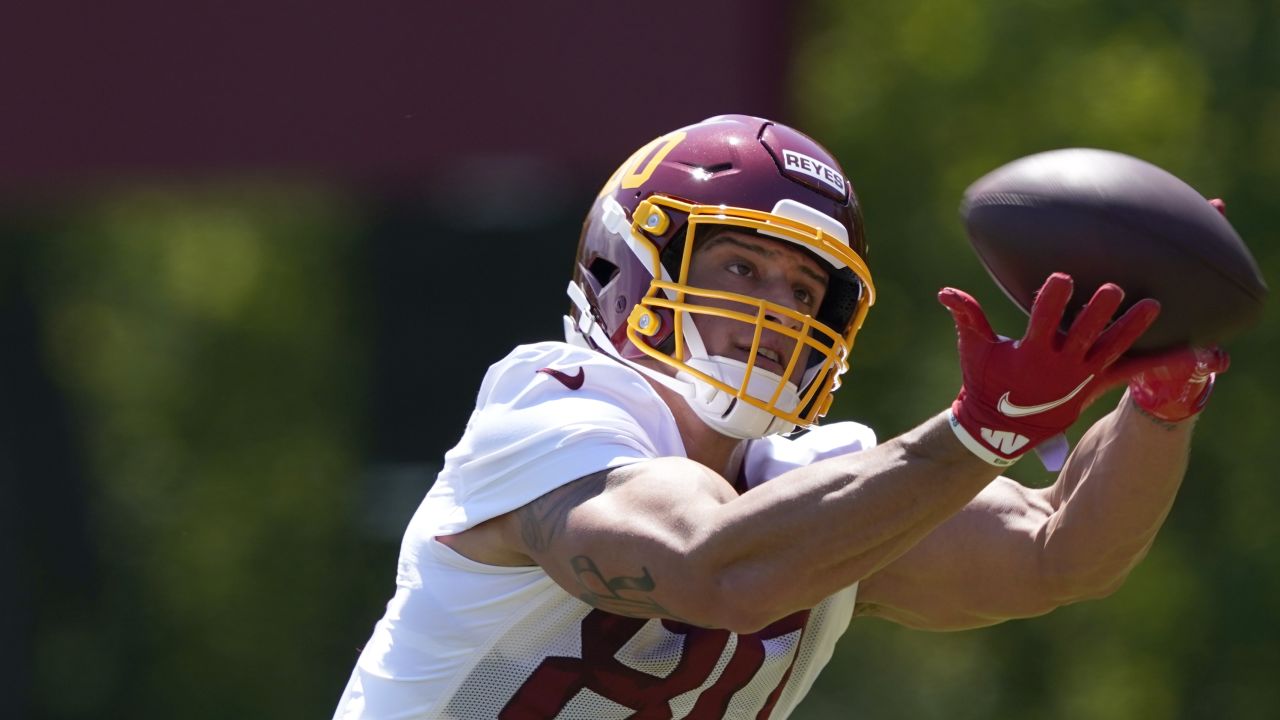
(630, 290)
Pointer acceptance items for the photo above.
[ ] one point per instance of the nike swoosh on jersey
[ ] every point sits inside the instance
(573, 382)
(1011, 410)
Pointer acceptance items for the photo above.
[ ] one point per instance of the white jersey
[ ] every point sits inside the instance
(470, 641)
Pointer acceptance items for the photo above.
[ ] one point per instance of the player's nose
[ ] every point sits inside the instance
(784, 319)
(782, 295)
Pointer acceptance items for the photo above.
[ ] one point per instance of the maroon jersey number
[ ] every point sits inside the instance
(558, 679)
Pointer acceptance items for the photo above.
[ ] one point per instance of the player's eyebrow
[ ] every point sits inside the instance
(764, 250)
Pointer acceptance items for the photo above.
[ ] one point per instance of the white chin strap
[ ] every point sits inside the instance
(724, 412)
(727, 414)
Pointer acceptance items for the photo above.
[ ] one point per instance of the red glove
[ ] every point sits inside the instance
(1178, 387)
(1017, 393)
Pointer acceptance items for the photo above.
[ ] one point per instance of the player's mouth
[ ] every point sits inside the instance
(767, 358)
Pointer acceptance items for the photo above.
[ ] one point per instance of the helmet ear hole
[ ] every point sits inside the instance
(602, 271)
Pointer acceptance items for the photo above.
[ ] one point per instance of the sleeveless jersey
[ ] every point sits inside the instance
(469, 641)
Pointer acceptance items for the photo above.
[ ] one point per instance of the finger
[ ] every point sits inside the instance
(1093, 319)
(1122, 371)
(967, 313)
(1220, 205)
(1195, 365)
(1046, 311)
(1124, 332)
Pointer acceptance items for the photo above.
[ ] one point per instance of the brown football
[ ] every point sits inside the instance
(1102, 216)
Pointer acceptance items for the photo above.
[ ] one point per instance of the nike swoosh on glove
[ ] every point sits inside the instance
(1017, 393)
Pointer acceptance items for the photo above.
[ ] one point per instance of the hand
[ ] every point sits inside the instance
(1176, 386)
(1017, 393)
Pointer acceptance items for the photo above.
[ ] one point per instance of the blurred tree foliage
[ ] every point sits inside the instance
(210, 341)
(213, 346)
(921, 97)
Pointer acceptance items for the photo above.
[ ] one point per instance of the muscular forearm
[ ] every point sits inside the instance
(812, 531)
(669, 537)
(1111, 499)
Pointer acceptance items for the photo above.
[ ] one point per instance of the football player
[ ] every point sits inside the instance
(625, 529)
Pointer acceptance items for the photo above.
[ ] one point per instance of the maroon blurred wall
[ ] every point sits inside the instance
(367, 91)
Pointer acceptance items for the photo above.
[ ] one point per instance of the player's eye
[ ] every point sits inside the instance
(740, 268)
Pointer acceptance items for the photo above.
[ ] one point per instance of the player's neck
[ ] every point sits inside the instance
(705, 445)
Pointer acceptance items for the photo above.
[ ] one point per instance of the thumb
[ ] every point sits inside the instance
(1183, 362)
(1211, 360)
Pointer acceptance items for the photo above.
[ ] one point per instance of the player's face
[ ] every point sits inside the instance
(773, 270)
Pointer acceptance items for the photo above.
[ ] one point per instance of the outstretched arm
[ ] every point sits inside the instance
(1017, 552)
(670, 538)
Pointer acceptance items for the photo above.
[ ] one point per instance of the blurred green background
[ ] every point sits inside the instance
(225, 390)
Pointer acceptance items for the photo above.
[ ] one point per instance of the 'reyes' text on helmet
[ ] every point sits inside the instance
(814, 168)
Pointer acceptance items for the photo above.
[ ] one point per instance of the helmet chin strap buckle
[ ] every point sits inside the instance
(613, 216)
(586, 315)
(572, 335)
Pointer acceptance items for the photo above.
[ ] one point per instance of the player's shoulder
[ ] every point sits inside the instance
(835, 438)
(554, 368)
(554, 354)
(771, 456)
(548, 413)
(550, 351)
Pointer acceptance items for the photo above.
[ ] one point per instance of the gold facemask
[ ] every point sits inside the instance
(820, 379)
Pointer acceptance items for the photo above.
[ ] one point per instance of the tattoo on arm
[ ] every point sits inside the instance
(606, 593)
(543, 518)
